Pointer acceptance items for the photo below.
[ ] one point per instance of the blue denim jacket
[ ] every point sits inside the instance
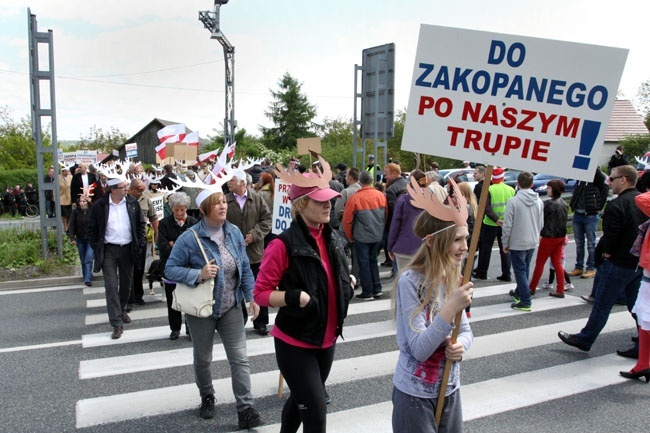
(186, 260)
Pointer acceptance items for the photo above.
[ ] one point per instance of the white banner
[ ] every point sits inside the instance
(281, 207)
(158, 203)
(131, 150)
(519, 102)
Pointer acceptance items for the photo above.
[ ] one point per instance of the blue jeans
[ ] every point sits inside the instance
(86, 257)
(521, 267)
(610, 282)
(585, 225)
(230, 327)
(368, 268)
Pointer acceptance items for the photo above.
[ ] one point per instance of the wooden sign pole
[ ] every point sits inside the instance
(466, 277)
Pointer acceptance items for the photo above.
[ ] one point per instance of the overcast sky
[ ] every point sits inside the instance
(120, 63)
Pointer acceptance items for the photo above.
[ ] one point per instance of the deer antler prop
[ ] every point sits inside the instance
(320, 180)
(424, 198)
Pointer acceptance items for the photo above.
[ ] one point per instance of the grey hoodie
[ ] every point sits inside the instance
(523, 220)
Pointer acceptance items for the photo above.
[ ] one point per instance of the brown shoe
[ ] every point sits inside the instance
(125, 317)
(117, 332)
(576, 272)
(589, 273)
(556, 294)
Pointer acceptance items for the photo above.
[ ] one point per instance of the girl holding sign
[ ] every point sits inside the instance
(427, 298)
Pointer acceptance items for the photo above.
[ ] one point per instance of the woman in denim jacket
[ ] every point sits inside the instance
(229, 266)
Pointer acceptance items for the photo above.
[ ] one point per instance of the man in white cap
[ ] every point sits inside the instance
(248, 211)
(116, 234)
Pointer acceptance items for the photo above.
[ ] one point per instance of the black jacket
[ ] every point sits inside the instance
(620, 227)
(306, 273)
(594, 194)
(77, 185)
(168, 231)
(78, 225)
(98, 220)
(556, 213)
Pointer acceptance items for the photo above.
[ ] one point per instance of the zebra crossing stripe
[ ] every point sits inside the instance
(489, 312)
(120, 407)
(478, 398)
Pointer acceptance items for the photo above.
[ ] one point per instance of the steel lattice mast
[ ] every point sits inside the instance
(210, 20)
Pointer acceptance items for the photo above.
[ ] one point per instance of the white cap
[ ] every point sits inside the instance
(202, 196)
(114, 181)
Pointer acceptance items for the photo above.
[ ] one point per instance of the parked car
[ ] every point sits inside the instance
(510, 177)
(540, 180)
(458, 174)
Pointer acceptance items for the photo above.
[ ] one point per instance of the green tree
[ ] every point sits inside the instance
(643, 98)
(636, 145)
(248, 146)
(292, 116)
(336, 141)
(97, 139)
(17, 147)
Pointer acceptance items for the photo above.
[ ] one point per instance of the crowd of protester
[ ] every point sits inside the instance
(343, 224)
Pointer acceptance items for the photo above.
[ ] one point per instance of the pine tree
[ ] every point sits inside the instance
(291, 114)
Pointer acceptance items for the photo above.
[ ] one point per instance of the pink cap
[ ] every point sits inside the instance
(313, 192)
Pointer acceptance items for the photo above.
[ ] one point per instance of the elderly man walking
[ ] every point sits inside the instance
(116, 234)
(248, 211)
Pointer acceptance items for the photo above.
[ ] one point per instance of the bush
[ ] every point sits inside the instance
(21, 248)
(18, 177)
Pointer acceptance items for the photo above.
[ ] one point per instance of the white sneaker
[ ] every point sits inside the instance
(547, 286)
(568, 287)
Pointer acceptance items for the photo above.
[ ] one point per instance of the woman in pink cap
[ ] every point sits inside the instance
(307, 264)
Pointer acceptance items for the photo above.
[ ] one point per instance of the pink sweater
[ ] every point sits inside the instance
(275, 263)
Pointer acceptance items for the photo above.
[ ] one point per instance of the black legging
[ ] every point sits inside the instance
(305, 371)
(175, 317)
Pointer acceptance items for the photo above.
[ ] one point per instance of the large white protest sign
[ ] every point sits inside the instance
(158, 204)
(281, 207)
(526, 103)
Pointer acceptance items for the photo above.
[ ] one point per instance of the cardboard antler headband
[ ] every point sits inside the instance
(320, 180)
(425, 199)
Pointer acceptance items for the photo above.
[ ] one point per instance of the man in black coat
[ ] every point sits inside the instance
(80, 180)
(116, 234)
(618, 270)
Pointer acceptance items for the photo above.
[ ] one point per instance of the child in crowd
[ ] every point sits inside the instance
(428, 296)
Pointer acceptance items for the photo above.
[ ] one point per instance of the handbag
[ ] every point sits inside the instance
(195, 301)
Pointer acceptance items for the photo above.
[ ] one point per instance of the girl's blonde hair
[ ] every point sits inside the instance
(433, 260)
(469, 196)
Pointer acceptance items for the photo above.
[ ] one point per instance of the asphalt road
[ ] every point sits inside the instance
(60, 371)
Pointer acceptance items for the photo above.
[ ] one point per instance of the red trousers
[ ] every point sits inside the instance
(553, 248)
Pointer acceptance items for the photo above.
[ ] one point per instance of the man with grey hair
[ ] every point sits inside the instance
(136, 190)
(364, 218)
(116, 234)
(248, 211)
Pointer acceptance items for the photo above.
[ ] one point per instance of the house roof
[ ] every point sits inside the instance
(624, 121)
(159, 122)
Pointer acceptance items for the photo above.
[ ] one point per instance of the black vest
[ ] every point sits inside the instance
(306, 273)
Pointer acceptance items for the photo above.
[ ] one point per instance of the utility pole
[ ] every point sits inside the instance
(210, 20)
